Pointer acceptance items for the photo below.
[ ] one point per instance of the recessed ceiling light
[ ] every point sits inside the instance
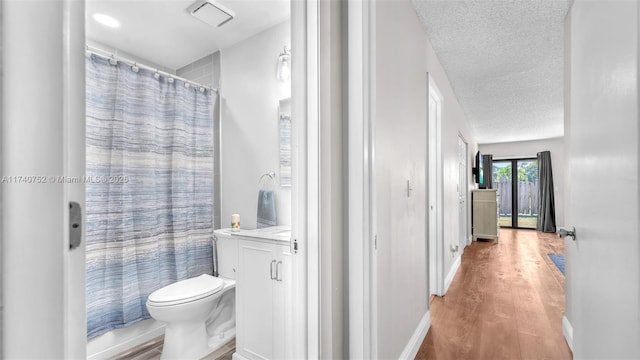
(106, 20)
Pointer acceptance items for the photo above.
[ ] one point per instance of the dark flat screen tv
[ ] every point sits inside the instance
(478, 171)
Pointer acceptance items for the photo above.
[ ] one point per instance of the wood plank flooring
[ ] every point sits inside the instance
(505, 302)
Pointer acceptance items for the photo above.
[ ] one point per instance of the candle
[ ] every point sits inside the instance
(235, 222)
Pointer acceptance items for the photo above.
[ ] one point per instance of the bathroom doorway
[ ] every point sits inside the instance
(298, 26)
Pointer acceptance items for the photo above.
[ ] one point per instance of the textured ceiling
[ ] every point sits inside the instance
(504, 60)
(164, 32)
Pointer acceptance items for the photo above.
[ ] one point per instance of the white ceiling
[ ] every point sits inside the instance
(504, 60)
(164, 32)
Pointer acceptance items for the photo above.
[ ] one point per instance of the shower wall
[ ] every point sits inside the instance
(250, 96)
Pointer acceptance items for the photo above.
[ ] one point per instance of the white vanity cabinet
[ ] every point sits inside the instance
(263, 298)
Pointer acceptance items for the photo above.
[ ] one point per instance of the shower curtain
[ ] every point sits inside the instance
(149, 189)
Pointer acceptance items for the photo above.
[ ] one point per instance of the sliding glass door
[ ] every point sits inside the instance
(502, 175)
(527, 190)
(517, 200)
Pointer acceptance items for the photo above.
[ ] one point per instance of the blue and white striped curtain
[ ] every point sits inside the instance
(149, 189)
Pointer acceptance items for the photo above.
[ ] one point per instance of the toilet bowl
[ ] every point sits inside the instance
(186, 307)
(199, 312)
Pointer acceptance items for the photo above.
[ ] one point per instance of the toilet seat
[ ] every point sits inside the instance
(186, 291)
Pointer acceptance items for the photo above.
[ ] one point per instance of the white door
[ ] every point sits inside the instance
(436, 241)
(42, 140)
(462, 193)
(603, 271)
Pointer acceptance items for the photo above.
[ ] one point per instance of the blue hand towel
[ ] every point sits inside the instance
(266, 209)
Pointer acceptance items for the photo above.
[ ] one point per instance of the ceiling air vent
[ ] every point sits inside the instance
(211, 12)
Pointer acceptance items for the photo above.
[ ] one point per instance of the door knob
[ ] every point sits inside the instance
(562, 232)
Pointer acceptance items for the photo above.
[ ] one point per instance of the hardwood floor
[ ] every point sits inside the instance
(505, 302)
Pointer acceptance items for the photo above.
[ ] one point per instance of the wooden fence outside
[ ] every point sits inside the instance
(527, 197)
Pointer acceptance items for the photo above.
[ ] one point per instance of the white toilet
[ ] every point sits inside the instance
(200, 311)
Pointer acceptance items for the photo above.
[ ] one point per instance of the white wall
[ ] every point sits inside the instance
(249, 124)
(454, 122)
(400, 147)
(404, 56)
(530, 149)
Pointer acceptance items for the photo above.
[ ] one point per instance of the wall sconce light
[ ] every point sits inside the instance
(283, 73)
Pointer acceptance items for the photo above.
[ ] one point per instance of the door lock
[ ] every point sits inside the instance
(75, 225)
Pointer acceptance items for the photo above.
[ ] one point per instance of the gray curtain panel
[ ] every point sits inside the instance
(546, 202)
(487, 169)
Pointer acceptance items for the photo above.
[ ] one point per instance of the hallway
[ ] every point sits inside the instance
(505, 302)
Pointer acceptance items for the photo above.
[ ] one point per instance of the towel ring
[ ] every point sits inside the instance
(271, 175)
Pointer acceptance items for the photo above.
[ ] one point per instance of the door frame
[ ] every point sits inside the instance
(362, 257)
(435, 191)
(305, 195)
(464, 189)
(74, 164)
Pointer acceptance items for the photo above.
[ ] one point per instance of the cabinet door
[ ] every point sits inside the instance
(282, 306)
(255, 299)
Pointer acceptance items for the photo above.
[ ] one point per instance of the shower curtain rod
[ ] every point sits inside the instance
(109, 54)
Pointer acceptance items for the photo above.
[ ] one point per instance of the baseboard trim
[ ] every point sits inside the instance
(452, 273)
(413, 346)
(567, 331)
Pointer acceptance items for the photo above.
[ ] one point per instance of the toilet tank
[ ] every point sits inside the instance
(227, 247)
